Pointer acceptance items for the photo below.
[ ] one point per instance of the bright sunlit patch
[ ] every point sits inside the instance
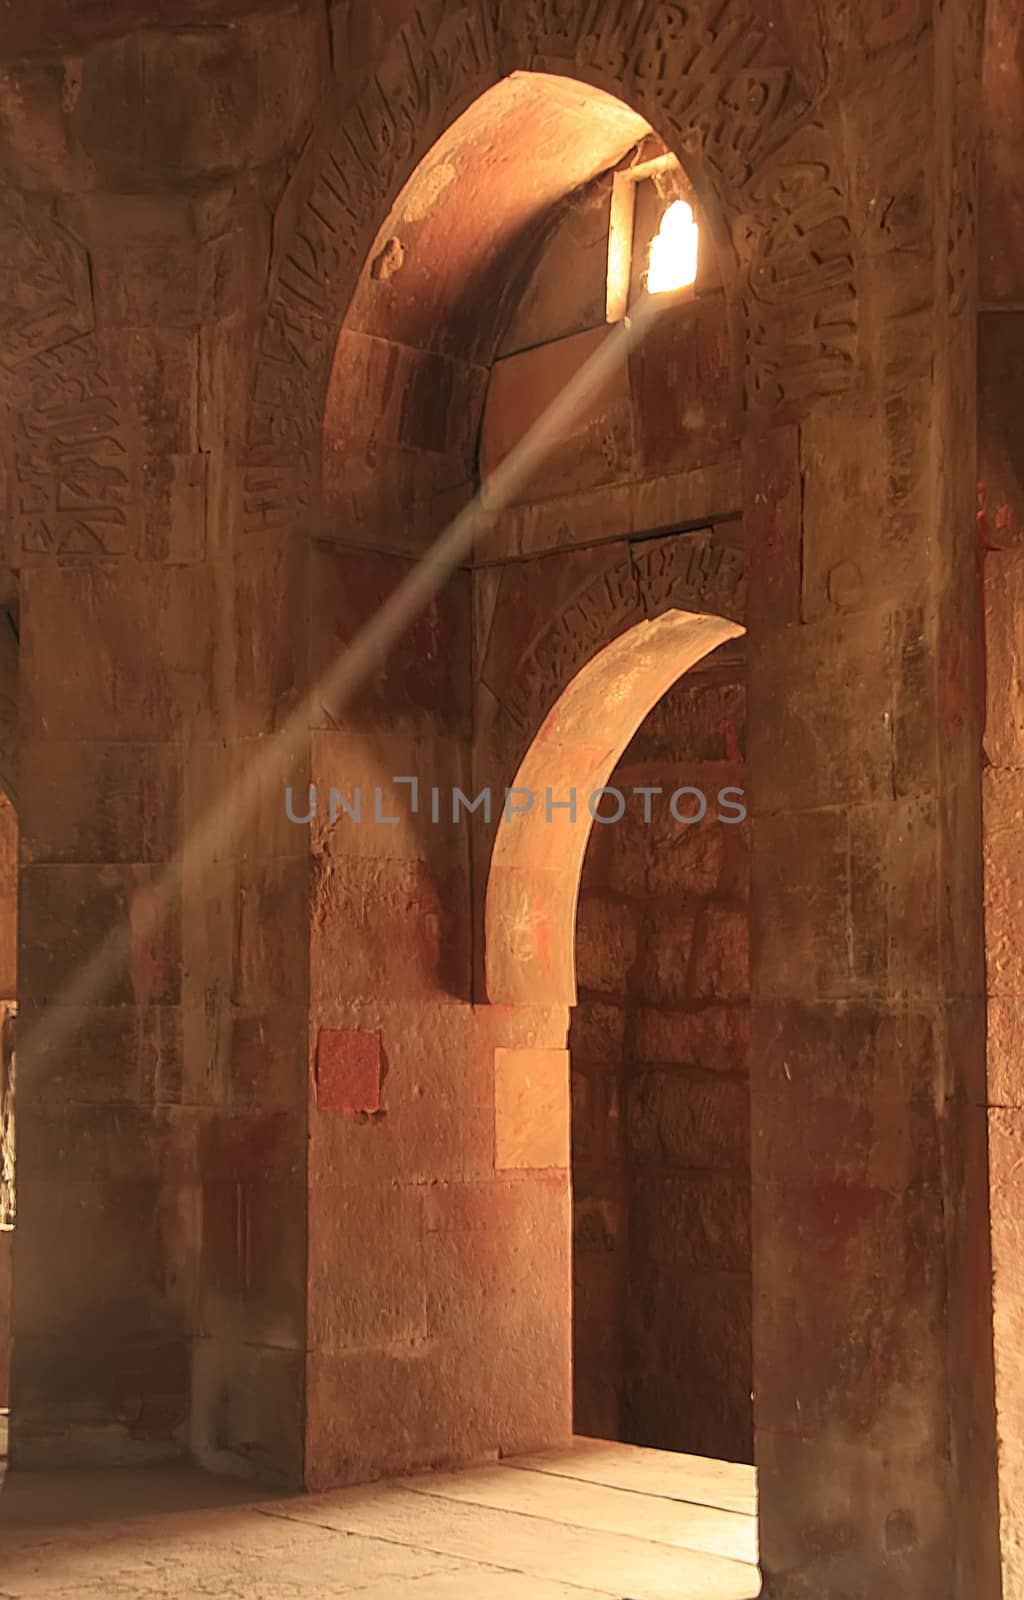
(673, 262)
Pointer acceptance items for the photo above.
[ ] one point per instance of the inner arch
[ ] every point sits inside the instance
(538, 851)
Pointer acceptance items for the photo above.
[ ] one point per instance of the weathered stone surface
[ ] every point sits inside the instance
(437, 1099)
(551, 308)
(252, 1269)
(372, 1239)
(596, 448)
(722, 961)
(799, 893)
(701, 1368)
(596, 1031)
(190, 219)
(606, 943)
(390, 928)
(713, 1038)
(1004, 595)
(672, 1119)
(531, 1109)
(420, 686)
(6, 1238)
(123, 804)
(683, 389)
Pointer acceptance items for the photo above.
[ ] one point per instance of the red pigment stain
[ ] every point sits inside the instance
(733, 752)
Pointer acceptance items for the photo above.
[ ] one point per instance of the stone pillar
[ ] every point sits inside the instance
(1001, 552)
(872, 1347)
(160, 1249)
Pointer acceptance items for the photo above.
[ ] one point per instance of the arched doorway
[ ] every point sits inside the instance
(652, 957)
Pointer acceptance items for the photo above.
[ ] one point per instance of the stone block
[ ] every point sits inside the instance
(271, 949)
(555, 303)
(700, 720)
(678, 1121)
(825, 1534)
(114, 1401)
(711, 1038)
(684, 397)
(252, 1264)
(271, 634)
(721, 968)
(367, 1273)
(375, 816)
(174, 491)
(848, 1049)
(606, 945)
(438, 1099)
(682, 1222)
(1004, 599)
(686, 858)
(143, 640)
(772, 520)
(228, 819)
(100, 802)
(385, 393)
(820, 713)
(1000, 188)
(350, 1437)
(248, 1410)
(596, 1031)
(1005, 1051)
(157, 367)
(267, 1058)
(423, 683)
(114, 909)
(867, 1353)
(257, 115)
(894, 897)
(1000, 455)
(531, 1108)
(595, 447)
(691, 1391)
(800, 900)
(853, 472)
(1006, 1152)
(394, 929)
(254, 1147)
(662, 975)
(498, 1273)
(99, 1055)
(540, 527)
(708, 492)
(101, 1258)
(858, 1140)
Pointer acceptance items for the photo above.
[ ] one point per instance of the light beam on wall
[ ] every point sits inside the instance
(673, 262)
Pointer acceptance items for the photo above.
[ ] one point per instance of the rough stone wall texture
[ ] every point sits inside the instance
(660, 1086)
(156, 1275)
(1000, 525)
(5, 1315)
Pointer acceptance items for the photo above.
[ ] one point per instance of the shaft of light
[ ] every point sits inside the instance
(230, 813)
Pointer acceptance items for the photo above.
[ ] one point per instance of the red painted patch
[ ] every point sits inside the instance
(349, 1071)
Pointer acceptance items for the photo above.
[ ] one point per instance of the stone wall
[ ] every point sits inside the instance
(6, 1239)
(187, 212)
(661, 1119)
(1000, 526)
